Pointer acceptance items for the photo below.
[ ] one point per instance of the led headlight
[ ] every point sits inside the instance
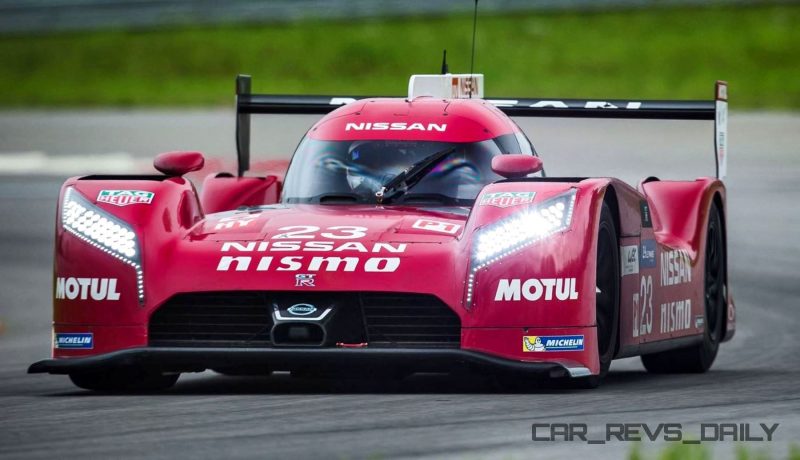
(103, 231)
(521, 229)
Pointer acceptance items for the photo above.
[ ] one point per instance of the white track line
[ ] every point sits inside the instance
(40, 163)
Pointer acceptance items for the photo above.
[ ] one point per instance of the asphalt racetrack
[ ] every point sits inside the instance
(755, 378)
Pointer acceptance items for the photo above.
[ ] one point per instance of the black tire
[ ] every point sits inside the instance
(699, 358)
(607, 297)
(124, 380)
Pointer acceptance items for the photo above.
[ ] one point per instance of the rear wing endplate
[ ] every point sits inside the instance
(716, 109)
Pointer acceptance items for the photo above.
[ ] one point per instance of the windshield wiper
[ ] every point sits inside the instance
(411, 176)
(340, 198)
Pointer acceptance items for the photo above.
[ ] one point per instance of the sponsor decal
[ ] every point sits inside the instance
(234, 222)
(534, 343)
(676, 267)
(395, 126)
(74, 340)
(300, 312)
(296, 239)
(676, 316)
(643, 307)
(313, 246)
(87, 288)
(647, 254)
(507, 199)
(462, 87)
(304, 280)
(302, 309)
(647, 220)
(125, 197)
(307, 232)
(309, 264)
(630, 259)
(626, 105)
(535, 289)
(699, 321)
(436, 226)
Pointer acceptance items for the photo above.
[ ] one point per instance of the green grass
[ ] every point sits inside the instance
(679, 451)
(658, 53)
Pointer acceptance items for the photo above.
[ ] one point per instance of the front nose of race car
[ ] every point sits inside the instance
(530, 282)
(499, 282)
(320, 277)
(317, 276)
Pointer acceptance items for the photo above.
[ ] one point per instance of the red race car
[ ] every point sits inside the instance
(413, 234)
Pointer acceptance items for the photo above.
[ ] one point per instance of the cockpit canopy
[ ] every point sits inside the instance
(356, 150)
(353, 171)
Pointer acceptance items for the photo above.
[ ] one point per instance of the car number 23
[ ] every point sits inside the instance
(338, 232)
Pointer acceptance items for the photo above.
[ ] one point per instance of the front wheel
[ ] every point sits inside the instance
(122, 380)
(606, 297)
(699, 358)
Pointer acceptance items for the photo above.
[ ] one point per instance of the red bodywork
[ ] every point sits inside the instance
(194, 243)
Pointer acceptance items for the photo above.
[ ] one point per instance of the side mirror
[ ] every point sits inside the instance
(178, 163)
(512, 166)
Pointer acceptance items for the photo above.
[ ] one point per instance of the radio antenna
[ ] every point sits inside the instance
(445, 69)
(472, 59)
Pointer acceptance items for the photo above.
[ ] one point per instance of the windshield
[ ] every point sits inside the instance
(352, 171)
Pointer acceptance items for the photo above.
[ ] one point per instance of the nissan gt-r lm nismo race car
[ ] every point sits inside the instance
(407, 235)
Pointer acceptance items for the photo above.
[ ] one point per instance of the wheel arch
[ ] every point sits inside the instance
(719, 203)
(610, 197)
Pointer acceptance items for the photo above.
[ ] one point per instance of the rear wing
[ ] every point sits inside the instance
(716, 109)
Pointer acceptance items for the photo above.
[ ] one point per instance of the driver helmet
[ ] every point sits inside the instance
(362, 162)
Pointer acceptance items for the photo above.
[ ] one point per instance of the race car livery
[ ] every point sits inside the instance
(415, 234)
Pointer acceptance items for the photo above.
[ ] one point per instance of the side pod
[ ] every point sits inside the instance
(680, 218)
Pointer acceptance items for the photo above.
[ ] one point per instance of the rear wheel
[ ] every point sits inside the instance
(699, 358)
(121, 380)
(606, 297)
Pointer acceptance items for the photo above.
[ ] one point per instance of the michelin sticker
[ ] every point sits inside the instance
(536, 343)
(83, 341)
(125, 197)
(507, 199)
